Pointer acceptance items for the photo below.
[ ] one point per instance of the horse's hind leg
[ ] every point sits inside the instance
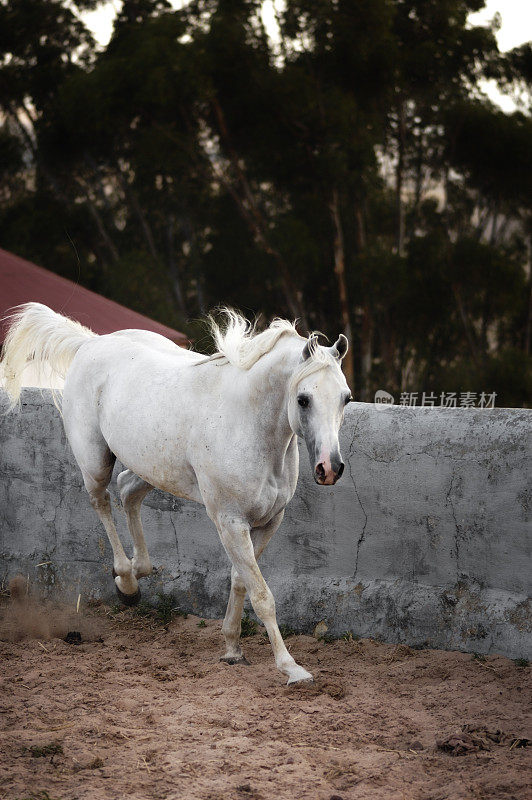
(96, 462)
(133, 490)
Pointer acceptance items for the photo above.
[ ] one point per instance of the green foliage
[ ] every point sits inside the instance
(522, 663)
(167, 608)
(248, 626)
(493, 149)
(478, 657)
(346, 636)
(286, 631)
(195, 162)
(163, 611)
(202, 624)
(349, 636)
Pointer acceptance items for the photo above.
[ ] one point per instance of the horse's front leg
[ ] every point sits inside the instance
(232, 623)
(231, 627)
(236, 539)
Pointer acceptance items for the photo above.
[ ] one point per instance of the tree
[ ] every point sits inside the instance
(350, 174)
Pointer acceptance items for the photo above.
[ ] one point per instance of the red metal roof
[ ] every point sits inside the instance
(22, 282)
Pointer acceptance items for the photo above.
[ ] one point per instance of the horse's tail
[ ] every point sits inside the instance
(47, 339)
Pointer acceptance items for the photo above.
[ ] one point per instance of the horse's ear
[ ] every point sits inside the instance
(310, 346)
(340, 346)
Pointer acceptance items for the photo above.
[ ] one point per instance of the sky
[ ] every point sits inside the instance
(101, 20)
(516, 28)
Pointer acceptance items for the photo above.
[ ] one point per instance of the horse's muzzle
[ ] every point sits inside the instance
(328, 477)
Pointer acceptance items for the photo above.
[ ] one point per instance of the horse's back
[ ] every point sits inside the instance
(155, 342)
(126, 370)
(125, 352)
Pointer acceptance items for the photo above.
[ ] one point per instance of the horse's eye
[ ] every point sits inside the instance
(303, 400)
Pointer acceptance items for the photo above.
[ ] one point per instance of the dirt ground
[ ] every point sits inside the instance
(142, 709)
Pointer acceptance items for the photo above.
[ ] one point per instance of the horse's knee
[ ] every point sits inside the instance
(100, 499)
(238, 587)
(263, 603)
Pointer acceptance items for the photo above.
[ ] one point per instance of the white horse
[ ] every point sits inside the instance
(221, 430)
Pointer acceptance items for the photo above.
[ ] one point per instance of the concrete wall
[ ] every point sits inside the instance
(425, 540)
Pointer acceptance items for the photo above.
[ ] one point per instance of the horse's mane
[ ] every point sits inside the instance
(238, 343)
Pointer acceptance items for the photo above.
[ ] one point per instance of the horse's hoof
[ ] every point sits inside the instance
(300, 676)
(235, 660)
(128, 599)
(300, 682)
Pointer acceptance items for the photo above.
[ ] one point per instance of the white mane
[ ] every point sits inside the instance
(238, 344)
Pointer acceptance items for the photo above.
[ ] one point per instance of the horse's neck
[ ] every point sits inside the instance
(268, 389)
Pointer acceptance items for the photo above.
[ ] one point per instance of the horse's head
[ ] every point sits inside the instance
(318, 396)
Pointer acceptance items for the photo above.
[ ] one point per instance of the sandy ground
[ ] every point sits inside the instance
(143, 710)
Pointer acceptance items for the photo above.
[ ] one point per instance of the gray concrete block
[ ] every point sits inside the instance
(426, 540)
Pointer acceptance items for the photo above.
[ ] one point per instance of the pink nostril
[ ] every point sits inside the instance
(320, 471)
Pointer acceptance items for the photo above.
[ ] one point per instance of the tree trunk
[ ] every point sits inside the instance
(132, 198)
(389, 351)
(468, 327)
(494, 223)
(528, 326)
(190, 235)
(339, 271)
(95, 214)
(360, 227)
(419, 172)
(399, 177)
(366, 354)
(366, 331)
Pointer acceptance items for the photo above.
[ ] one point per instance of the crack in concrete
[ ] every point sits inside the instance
(409, 454)
(363, 533)
(172, 523)
(456, 526)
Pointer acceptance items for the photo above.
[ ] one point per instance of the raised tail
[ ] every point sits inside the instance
(47, 339)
